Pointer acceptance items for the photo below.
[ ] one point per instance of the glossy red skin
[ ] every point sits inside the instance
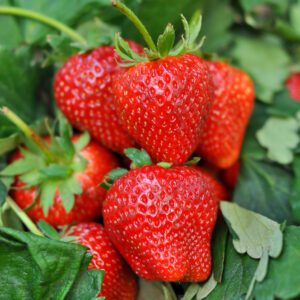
(216, 186)
(119, 281)
(161, 221)
(88, 205)
(293, 85)
(224, 130)
(82, 89)
(163, 104)
(230, 175)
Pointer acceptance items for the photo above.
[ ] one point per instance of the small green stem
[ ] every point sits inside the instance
(43, 19)
(28, 132)
(23, 217)
(137, 23)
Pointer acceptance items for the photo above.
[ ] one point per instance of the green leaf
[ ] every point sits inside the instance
(56, 171)
(206, 288)
(251, 147)
(82, 141)
(62, 48)
(165, 41)
(129, 56)
(280, 137)
(18, 92)
(10, 33)
(238, 272)
(48, 191)
(218, 17)
(87, 285)
(96, 32)
(20, 166)
(265, 60)
(74, 185)
(41, 268)
(282, 280)
(48, 230)
(218, 249)
(9, 143)
(67, 12)
(250, 4)
(138, 157)
(191, 291)
(112, 176)
(265, 189)
(294, 198)
(3, 193)
(149, 290)
(67, 196)
(255, 235)
(32, 178)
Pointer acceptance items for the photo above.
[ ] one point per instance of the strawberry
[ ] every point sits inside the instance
(164, 98)
(223, 132)
(161, 220)
(230, 175)
(119, 281)
(60, 183)
(219, 190)
(293, 85)
(83, 92)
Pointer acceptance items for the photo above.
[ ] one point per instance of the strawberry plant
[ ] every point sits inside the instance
(149, 149)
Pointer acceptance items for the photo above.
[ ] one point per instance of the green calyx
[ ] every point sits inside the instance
(165, 45)
(139, 158)
(49, 166)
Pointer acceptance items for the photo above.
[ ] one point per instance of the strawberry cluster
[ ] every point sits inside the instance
(159, 216)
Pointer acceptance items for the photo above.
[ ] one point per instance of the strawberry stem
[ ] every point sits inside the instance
(43, 19)
(28, 132)
(136, 22)
(23, 217)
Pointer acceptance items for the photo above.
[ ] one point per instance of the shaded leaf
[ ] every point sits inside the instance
(280, 137)
(265, 60)
(255, 235)
(268, 183)
(48, 230)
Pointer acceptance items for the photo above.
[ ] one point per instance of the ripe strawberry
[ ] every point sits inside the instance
(293, 85)
(161, 220)
(230, 175)
(119, 281)
(87, 205)
(164, 99)
(218, 188)
(59, 178)
(223, 132)
(82, 89)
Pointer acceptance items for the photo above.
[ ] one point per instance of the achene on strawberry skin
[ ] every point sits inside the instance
(166, 94)
(223, 132)
(161, 220)
(83, 92)
(119, 283)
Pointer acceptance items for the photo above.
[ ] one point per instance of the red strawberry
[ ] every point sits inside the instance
(164, 99)
(219, 190)
(57, 178)
(163, 105)
(119, 281)
(230, 175)
(293, 85)
(161, 220)
(223, 132)
(82, 89)
(87, 206)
